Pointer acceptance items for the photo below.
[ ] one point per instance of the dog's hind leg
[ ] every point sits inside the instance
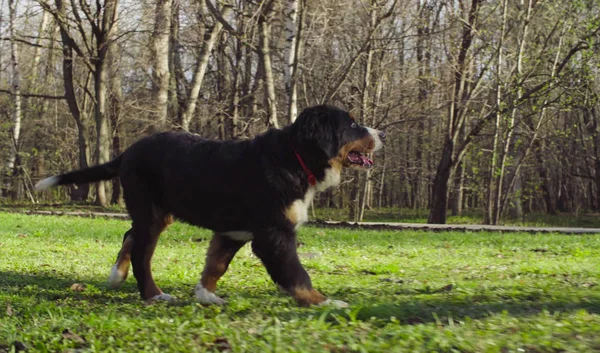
(276, 248)
(146, 230)
(120, 269)
(220, 252)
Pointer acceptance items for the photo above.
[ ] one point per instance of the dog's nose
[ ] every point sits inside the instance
(382, 135)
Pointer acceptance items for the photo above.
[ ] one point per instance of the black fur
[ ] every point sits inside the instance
(228, 185)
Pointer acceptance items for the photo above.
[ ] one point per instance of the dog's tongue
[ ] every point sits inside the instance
(358, 158)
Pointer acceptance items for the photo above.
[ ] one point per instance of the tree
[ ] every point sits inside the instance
(11, 161)
(102, 22)
(160, 72)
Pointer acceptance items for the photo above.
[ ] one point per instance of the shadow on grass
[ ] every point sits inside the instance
(52, 286)
(444, 313)
(410, 308)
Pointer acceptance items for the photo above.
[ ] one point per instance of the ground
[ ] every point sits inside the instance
(409, 292)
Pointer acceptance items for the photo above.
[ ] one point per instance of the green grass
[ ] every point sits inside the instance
(409, 292)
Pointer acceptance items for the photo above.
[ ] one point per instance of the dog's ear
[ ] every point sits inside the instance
(317, 127)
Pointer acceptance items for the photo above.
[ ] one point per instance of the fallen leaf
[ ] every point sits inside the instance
(539, 250)
(78, 287)
(447, 288)
(67, 334)
(368, 272)
(309, 255)
(222, 344)
(19, 346)
(9, 310)
(414, 320)
(22, 235)
(399, 281)
(335, 349)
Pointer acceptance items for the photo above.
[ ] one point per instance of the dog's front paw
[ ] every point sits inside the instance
(162, 297)
(338, 304)
(204, 296)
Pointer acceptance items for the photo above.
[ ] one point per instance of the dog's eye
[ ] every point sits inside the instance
(353, 125)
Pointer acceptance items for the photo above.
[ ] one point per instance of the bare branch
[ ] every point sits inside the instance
(31, 95)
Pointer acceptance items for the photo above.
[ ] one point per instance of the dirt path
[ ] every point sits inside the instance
(456, 227)
(360, 225)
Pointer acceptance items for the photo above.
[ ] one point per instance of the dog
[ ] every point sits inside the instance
(256, 191)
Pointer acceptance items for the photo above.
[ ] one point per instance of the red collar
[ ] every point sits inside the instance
(311, 177)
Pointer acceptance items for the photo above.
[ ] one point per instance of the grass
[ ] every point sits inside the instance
(409, 292)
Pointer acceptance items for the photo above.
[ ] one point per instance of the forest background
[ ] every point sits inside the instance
(490, 107)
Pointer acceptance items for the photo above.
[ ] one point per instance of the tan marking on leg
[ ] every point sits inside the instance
(162, 222)
(120, 269)
(124, 258)
(306, 297)
(217, 261)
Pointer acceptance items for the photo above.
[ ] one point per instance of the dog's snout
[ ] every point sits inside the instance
(382, 135)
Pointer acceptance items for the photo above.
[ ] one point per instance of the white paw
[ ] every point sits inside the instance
(116, 277)
(338, 304)
(204, 296)
(164, 297)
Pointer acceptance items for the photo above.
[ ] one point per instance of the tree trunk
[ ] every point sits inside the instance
(545, 179)
(10, 164)
(456, 119)
(104, 41)
(292, 43)
(265, 53)
(177, 83)
(439, 201)
(78, 192)
(493, 175)
(510, 126)
(160, 73)
(456, 205)
(102, 129)
(234, 105)
(223, 88)
(116, 99)
(200, 71)
(423, 57)
(364, 109)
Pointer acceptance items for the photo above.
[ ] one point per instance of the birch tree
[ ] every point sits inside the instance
(291, 53)
(201, 64)
(266, 16)
(16, 115)
(160, 72)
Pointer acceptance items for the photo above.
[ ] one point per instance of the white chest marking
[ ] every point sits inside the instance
(297, 213)
(333, 177)
(239, 235)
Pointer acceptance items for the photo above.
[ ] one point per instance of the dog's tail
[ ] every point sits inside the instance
(104, 171)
